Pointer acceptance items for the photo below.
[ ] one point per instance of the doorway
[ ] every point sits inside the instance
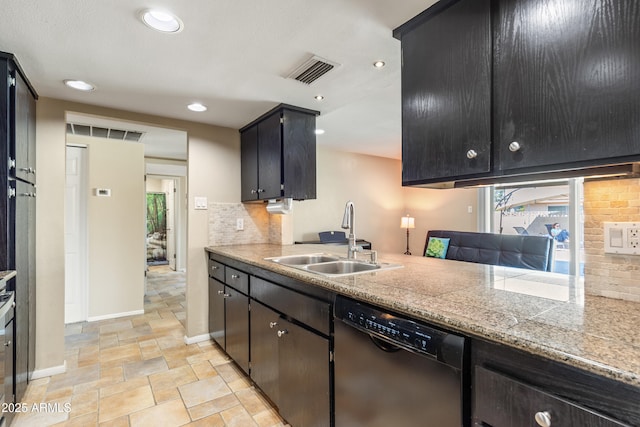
(75, 241)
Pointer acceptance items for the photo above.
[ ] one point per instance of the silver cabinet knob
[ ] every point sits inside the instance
(543, 418)
(220, 292)
(282, 333)
(235, 276)
(253, 191)
(7, 344)
(514, 146)
(12, 164)
(260, 190)
(273, 324)
(472, 154)
(214, 267)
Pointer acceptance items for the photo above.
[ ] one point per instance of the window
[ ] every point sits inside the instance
(548, 208)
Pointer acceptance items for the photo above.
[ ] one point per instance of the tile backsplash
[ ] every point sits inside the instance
(259, 226)
(610, 275)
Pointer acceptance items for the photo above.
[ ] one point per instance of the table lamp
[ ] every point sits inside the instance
(407, 222)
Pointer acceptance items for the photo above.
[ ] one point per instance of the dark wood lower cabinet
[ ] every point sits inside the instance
(216, 311)
(237, 326)
(291, 365)
(503, 402)
(512, 388)
(264, 350)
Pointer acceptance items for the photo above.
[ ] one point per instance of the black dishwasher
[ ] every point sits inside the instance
(394, 371)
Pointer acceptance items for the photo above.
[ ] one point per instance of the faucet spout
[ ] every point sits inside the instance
(348, 222)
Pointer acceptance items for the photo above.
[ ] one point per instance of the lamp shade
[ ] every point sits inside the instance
(407, 222)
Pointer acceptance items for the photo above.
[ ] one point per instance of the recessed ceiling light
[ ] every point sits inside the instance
(80, 85)
(319, 131)
(319, 97)
(379, 64)
(196, 106)
(161, 20)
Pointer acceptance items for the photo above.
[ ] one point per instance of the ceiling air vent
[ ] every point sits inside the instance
(312, 69)
(101, 132)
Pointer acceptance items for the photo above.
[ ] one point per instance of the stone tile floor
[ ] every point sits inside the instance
(137, 371)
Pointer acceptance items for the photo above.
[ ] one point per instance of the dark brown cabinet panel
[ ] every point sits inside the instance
(566, 82)
(264, 350)
(17, 211)
(278, 155)
(216, 311)
(503, 402)
(237, 327)
(446, 94)
(509, 387)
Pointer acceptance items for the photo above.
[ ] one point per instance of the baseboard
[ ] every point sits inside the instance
(196, 339)
(47, 372)
(114, 315)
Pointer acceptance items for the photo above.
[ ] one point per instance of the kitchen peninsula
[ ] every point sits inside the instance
(544, 318)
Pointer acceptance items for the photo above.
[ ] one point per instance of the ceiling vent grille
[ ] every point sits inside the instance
(101, 132)
(312, 69)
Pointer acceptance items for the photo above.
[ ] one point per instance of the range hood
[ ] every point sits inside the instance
(624, 170)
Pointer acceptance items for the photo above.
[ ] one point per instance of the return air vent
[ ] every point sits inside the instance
(312, 69)
(101, 132)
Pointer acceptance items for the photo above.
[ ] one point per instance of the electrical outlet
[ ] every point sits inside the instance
(239, 224)
(633, 237)
(622, 238)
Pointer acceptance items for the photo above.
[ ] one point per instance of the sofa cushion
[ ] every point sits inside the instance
(437, 247)
(532, 252)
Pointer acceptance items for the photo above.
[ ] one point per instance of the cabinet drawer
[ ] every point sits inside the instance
(500, 401)
(216, 270)
(303, 308)
(237, 280)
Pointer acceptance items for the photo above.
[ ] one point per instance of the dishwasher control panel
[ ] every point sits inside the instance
(397, 330)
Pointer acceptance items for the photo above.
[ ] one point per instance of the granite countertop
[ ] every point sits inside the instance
(546, 314)
(6, 275)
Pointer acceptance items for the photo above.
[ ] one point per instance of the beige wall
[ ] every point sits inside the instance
(214, 172)
(610, 275)
(115, 226)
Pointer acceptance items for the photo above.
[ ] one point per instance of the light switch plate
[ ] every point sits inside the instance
(622, 238)
(200, 203)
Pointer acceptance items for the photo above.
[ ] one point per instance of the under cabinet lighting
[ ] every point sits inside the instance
(80, 85)
(197, 107)
(319, 97)
(319, 131)
(379, 64)
(161, 21)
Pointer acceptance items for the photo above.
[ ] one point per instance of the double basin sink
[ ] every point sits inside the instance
(331, 265)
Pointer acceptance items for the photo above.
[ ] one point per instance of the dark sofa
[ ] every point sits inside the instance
(532, 252)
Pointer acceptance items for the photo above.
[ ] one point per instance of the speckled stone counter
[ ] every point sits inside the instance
(5, 276)
(546, 314)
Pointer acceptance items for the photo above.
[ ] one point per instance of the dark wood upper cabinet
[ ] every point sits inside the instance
(566, 84)
(446, 93)
(278, 155)
(562, 94)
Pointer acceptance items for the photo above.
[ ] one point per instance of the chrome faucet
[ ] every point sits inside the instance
(348, 223)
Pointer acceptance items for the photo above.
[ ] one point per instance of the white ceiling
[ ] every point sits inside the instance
(233, 56)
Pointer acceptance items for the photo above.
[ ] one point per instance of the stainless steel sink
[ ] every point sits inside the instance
(342, 267)
(305, 259)
(331, 265)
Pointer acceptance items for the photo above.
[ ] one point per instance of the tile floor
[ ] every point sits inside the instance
(137, 371)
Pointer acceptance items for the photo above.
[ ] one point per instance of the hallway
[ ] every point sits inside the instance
(137, 371)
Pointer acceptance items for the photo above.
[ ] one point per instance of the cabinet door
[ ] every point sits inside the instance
(237, 327)
(24, 266)
(304, 369)
(500, 401)
(299, 155)
(264, 350)
(24, 121)
(249, 164)
(270, 157)
(216, 311)
(446, 108)
(566, 82)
